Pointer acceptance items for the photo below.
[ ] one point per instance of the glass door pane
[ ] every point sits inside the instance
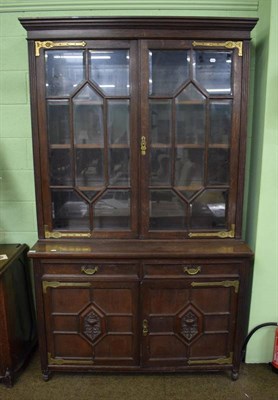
(190, 116)
(166, 210)
(109, 69)
(69, 211)
(208, 210)
(168, 71)
(64, 71)
(58, 121)
(112, 210)
(219, 142)
(189, 96)
(88, 121)
(119, 142)
(220, 121)
(160, 123)
(213, 70)
(168, 74)
(88, 117)
(60, 167)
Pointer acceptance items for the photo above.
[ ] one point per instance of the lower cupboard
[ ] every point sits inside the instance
(142, 315)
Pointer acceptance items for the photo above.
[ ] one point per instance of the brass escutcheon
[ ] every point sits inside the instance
(145, 327)
(143, 146)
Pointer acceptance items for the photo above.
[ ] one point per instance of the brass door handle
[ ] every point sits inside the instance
(192, 270)
(89, 271)
(145, 327)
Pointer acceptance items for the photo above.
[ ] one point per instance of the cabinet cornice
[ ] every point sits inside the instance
(139, 27)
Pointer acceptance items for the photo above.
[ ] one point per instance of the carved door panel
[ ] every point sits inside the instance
(188, 322)
(91, 323)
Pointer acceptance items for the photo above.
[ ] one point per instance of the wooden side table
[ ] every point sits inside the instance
(17, 315)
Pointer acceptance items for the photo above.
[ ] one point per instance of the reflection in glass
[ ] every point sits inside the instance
(160, 167)
(112, 210)
(89, 167)
(118, 121)
(119, 167)
(190, 116)
(209, 210)
(110, 70)
(69, 211)
(167, 210)
(160, 121)
(88, 117)
(168, 70)
(218, 166)
(220, 121)
(58, 121)
(213, 70)
(189, 168)
(60, 167)
(64, 71)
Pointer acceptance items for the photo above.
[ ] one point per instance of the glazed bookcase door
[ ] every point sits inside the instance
(88, 118)
(190, 100)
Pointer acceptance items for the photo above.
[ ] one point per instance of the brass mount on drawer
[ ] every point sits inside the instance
(88, 270)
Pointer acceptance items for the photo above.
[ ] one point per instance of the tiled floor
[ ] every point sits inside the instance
(256, 382)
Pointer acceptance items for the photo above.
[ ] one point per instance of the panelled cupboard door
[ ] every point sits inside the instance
(87, 115)
(91, 323)
(189, 323)
(190, 106)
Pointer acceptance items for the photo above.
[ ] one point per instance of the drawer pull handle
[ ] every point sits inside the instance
(192, 270)
(88, 270)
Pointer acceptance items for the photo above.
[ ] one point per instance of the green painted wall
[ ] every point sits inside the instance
(17, 199)
(262, 215)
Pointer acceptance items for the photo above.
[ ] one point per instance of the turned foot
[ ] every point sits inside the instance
(8, 378)
(46, 374)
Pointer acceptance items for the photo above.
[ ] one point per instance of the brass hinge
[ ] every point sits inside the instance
(49, 45)
(55, 284)
(228, 45)
(59, 235)
(219, 361)
(226, 284)
(63, 361)
(221, 234)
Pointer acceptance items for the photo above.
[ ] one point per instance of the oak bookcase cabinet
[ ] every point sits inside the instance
(139, 133)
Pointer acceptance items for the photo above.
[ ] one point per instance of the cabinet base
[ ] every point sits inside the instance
(234, 374)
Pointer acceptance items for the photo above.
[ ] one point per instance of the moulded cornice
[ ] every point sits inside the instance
(173, 5)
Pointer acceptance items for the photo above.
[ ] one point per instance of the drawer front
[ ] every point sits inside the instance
(92, 269)
(185, 269)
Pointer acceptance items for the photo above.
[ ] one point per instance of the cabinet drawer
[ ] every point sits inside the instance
(92, 269)
(190, 269)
